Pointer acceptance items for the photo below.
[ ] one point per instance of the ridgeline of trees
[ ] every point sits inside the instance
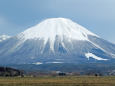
(5, 71)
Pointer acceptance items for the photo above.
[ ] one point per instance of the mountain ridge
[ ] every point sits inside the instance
(4, 37)
(56, 40)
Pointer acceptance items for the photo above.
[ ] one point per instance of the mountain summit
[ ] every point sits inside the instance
(62, 28)
(50, 28)
(56, 40)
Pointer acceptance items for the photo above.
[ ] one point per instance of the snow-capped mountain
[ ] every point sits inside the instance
(62, 28)
(4, 37)
(58, 40)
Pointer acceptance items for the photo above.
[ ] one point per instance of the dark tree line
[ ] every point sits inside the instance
(5, 71)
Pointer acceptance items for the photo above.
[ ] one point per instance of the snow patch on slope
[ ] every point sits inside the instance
(89, 55)
(38, 63)
(55, 62)
(113, 55)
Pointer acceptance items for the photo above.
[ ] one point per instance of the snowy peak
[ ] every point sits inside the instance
(50, 28)
(4, 37)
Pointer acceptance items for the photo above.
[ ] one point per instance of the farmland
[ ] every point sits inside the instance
(58, 81)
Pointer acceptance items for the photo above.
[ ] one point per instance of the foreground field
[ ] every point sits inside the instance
(58, 81)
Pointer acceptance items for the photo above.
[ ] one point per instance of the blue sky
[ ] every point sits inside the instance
(97, 16)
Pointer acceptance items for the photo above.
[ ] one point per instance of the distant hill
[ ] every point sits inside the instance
(103, 68)
(6, 71)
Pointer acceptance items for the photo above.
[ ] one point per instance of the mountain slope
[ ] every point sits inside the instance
(4, 37)
(55, 40)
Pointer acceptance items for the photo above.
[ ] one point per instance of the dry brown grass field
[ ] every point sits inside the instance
(58, 81)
